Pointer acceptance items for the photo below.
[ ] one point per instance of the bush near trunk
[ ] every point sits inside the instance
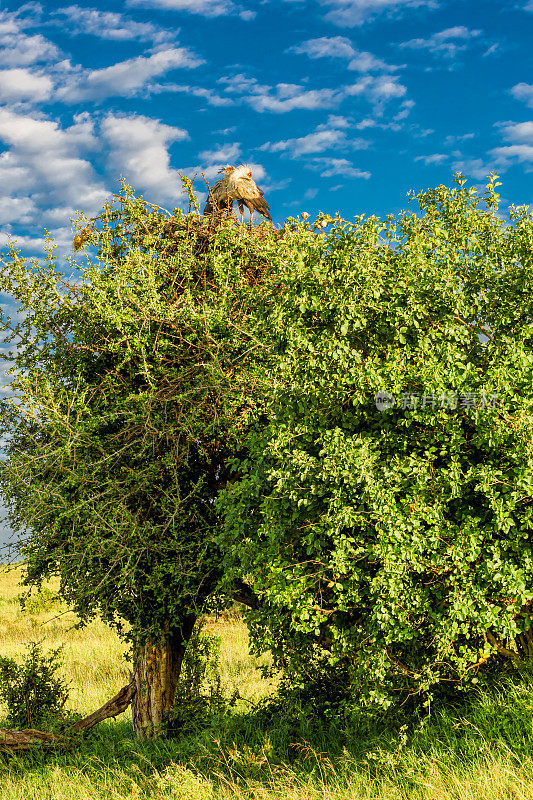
(393, 546)
(33, 691)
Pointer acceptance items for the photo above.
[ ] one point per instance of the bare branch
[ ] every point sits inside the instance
(29, 738)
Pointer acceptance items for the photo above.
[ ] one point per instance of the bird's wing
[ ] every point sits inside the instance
(219, 197)
(219, 189)
(258, 201)
(248, 192)
(248, 189)
(261, 205)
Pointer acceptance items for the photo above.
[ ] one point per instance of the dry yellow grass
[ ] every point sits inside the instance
(94, 657)
(113, 766)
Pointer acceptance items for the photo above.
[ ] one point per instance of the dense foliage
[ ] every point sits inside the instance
(391, 547)
(132, 385)
(371, 390)
(33, 691)
(200, 700)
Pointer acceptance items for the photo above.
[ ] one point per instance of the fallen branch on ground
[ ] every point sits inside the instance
(29, 738)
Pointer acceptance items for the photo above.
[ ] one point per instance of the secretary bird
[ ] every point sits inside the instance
(237, 184)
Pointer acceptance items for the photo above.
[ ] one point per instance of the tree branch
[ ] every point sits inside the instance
(117, 705)
(29, 738)
(243, 593)
(503, 651)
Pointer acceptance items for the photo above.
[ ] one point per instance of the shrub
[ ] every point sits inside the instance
(199, 696)
(32, 690)
(40, 602)
(391, 543)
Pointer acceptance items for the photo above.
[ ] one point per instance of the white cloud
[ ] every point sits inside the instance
(328, 167)
(378, 90)
(32, 244)
(214, 160)
(212, 97)
(139, 150)
(447, 43)
(494, 48)
(127, 77)
(224, 154)
(286, 97)
(514, 153)
(341, 47)
(520, 151)
(451, 140)
(325, 137)
(326, 47)
(366, 62)
(365, 123)
(369, 122)
(519, 132)
(207, 8)
(315, 142)
(38, 136)
(335, 121)
(405, 109)
(524, 92)
(242, 84)
(280, 98)
(473, 168)
(24, 85)
(18, 49)
(42, 167)
(348, 13)
(16, 209)
(434, 158)
(110, 25)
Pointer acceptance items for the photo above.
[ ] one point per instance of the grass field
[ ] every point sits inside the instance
(484, 750)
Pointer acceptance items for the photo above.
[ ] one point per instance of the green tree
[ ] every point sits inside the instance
(131, 389)
(393, 547)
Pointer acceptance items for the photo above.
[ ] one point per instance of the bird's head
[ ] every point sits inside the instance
(243, 171)
(227, 170)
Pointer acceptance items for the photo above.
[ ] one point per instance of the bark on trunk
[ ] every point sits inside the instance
(157, 666)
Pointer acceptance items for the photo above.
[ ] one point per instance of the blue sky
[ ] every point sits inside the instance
(338, 105)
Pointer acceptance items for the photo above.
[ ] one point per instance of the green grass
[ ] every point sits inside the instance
(483, 749)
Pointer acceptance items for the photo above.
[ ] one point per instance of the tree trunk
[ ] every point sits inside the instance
(157, 667)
